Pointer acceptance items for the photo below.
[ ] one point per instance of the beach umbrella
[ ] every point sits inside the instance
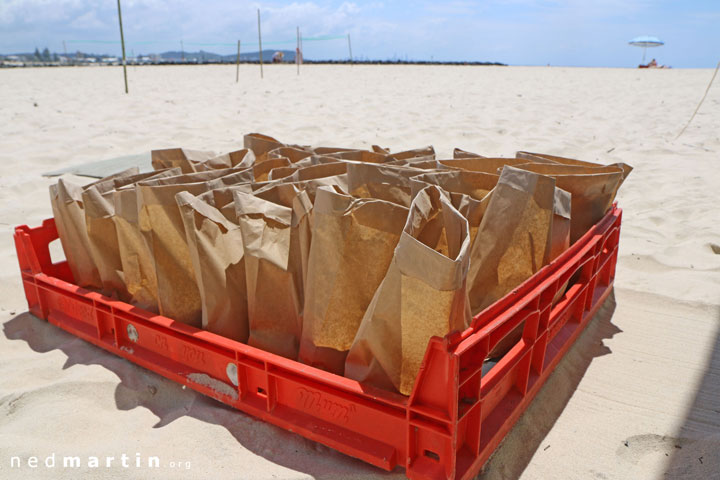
(645, 42)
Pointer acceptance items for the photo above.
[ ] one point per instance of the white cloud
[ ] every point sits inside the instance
(36, 12)
(313, 19)
(88, 20)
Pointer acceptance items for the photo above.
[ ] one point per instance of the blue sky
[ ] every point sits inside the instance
(518, 32)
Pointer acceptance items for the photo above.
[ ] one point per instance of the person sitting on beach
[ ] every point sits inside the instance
(652, 64)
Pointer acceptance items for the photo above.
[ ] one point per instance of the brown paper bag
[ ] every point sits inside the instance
(318, 171)
(482, 164)
(262, 169)
(320, 160)
(279, 173)
(364, 156)
(276, 239)
(221, 197)
(179, 157)
(236, 177)
(261, 145)
(559, 242)
(513, 240)
(162, 227)
(419, 164)
(570, 166)
(560, 169)
(593, 191)
(66, 200)
(460, 153)
(384, 182)
(238, 159)
(216, 250)
(414, 155)
(102, 234)
(562, 206)
(422, 295)
(68, 210)
(294, 154)
(545, 158)
(474, 184)
(331, 150)
(310, 178)
(469, 193)
(135, 257)
(325, 174)
(352, 245)
(337, 183)
(561, 223)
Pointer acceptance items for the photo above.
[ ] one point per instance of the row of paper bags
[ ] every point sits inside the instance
(347, 260)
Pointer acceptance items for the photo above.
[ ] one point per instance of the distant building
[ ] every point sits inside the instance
(12, 61)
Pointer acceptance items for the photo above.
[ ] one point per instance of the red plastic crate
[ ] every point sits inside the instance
(447, 428)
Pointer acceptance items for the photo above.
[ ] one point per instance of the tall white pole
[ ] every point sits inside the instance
(350, 48)
(260, 44)
(297, 51)
(237, 65)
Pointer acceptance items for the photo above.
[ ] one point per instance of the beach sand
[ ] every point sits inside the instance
(637, 397)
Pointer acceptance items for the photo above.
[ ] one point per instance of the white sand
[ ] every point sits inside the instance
(646, 374)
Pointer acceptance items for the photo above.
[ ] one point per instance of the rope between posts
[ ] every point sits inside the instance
(701, 101)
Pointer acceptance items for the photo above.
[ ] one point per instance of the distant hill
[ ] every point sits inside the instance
(203, 56)
(176, 57)
(190, 56)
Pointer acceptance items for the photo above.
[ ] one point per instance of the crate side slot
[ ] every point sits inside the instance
(430, 452)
